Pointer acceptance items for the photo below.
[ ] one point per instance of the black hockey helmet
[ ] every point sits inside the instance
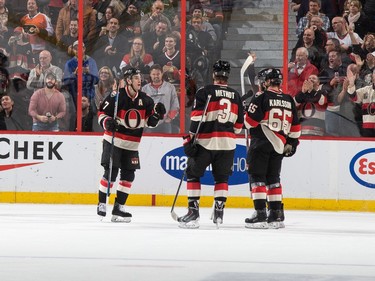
(129, 72)
(274, 75)
(262, 76)
(221, 68)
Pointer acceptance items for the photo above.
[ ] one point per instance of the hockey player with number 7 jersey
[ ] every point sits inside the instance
(274, 129)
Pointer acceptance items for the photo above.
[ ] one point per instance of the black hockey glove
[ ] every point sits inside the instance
(290, 147)
(190, 148)
(110, 125)
(160, 110)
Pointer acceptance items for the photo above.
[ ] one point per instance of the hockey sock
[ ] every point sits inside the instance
(102, 197)
(260, 204)
(121, 197)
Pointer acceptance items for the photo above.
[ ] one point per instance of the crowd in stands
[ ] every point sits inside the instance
(331, 68)
(39, 47)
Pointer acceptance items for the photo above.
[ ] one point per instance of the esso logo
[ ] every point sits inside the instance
(362, 167)
(174, 163)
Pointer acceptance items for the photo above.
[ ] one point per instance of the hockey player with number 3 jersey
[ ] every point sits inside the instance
(274, 129)
(216, 118)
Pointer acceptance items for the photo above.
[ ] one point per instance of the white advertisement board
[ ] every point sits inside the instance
(321, 169)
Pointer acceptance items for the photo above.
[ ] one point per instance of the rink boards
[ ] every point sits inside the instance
(324, 174)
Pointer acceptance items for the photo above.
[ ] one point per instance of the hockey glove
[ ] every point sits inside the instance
(110, 125)
(160, 110)
(190, 148)
(290, 147)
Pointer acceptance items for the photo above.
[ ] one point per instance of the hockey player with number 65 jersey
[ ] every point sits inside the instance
(274, 129)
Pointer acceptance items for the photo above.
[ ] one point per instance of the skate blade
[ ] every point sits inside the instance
(120, 219)
(276, 224)
(257, 225)
(190, 224)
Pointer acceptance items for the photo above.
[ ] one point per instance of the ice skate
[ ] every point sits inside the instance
(101, 210)
(191, 219)
(119, 214)
(218, 213)
(274, 219)
(257, 220)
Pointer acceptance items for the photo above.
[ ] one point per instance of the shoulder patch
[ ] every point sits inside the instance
(113, 94)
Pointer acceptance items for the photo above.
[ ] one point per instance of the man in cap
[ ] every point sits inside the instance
(47, 106)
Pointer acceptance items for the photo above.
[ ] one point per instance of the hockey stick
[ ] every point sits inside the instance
(173, 213)
(244, 67)
(112, 147)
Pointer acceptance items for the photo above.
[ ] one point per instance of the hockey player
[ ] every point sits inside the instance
(274, 129)
(135, 111)
(215, 142)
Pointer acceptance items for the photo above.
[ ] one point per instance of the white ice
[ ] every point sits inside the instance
(69, 243)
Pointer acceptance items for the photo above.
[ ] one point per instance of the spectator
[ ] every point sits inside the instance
(20, 49)
(357, 20)
(5, 17)
(164, 92)
(38, 28)
(308, 41)
(316, 24)
(328, 7)
(37, 75)
(197, 10)
(344, 34)
(111, 47)
(104, 86)
(332, 77)
(203, 38)
(89, 79)
(47, 106)
(130, 20)
(71, 12)
(21, 97)
(66, 14)
(137, 57)
(314, 10)
(103, 25)
(150, 20)
(65, 44)
(213, 13)
(9, 115)
(154, 41)
(368, 46)
(311, 104)
(367, 69)
(4, 74)
(101, 7)
(87, 115)
(350, 117)
(299, 71)
(333, 44)
(365, 97)
(170, 60)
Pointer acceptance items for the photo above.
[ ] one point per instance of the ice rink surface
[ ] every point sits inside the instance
(69, 243)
